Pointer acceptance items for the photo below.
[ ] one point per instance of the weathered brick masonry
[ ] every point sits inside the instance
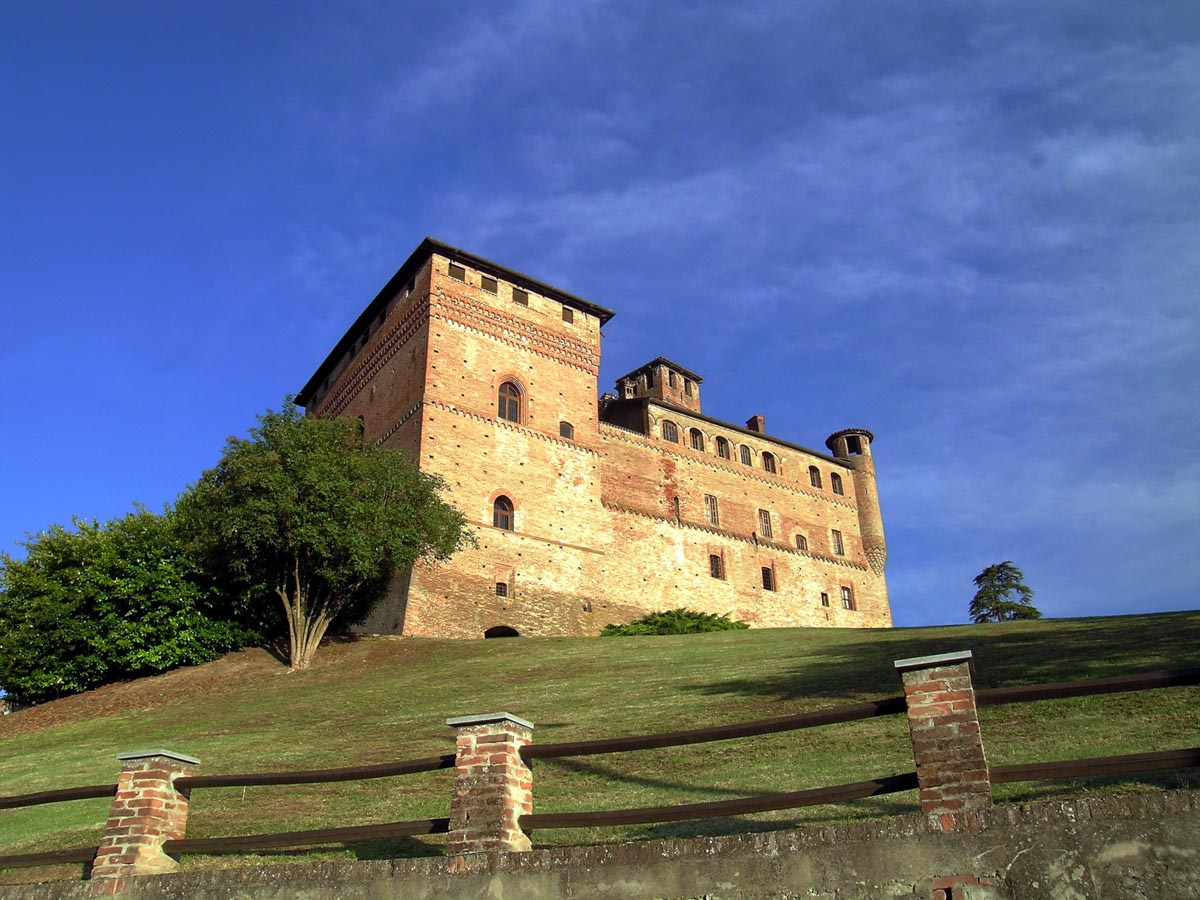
(590, 509)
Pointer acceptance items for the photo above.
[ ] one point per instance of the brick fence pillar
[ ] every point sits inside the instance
(951, 767)
(146, 812)
(493, 786)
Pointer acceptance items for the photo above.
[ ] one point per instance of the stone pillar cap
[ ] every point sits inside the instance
(169, 754)
(488, 719)
(938, 659)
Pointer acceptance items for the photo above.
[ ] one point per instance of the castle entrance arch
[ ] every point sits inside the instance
(499, 631)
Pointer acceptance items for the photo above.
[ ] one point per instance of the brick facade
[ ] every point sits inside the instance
(609, 516)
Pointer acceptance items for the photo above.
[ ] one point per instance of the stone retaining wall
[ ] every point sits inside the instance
(1112, 847)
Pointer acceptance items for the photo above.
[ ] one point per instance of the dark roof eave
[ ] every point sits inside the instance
(415, 260)
(663, 361)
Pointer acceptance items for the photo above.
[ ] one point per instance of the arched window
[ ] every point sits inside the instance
(745, 454)
(502, 513)
(509, 406)
(723, 448)
(697, 438)
(768, 460)
(801, 542)
(835, 483)
(814, 476)
(566, 429)
(670, 432)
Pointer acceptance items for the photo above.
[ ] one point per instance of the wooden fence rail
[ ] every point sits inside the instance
(494, 752)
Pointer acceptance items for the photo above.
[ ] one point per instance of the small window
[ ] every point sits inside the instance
(671, 378)
(457, 272)
(501, 589)
(716, 566)
(745, 454)
(824, 599)
(568, 315)
(723, 448)
(854, 445)
(764, 523)
(502, 513)
(520, 297)
(649, 379)
(412, 285)
(566, 429)
(678, 508)
(801, 542)
(835, 483)
(814, 476)
(847, 598)
(838, 547)
(768, 461)
(696, 436)
(670, 432)
(768, 578)
(688, 387)
(488, 283)
(711, 514)
(509, 402)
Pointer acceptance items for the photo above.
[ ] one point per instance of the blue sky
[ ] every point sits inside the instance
(971, 228)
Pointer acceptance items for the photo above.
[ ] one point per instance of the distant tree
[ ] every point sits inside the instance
(97, 603)
(1002, 595)
(308, 515)
(675, 621)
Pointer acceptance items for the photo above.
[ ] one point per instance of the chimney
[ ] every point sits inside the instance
(757, 423)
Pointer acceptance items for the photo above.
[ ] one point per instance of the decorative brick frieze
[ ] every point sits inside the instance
(952, 770)
(146, 812)
(493, 785)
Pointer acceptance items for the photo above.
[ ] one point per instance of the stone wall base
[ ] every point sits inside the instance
(1111, 847)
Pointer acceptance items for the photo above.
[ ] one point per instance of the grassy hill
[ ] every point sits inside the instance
(373, 700)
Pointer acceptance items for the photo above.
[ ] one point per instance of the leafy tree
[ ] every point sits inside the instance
(1002, 595)
(307, 513)
(675, 621)
(96, 603)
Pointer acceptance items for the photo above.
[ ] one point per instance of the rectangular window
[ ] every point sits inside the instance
(568, 315)
(716, 566)
(764, 523)
(520, 297)
(457, 272)
(824, 599)
(710, 510)
(768, 578)
(671, 378)
(501, 589)
(488, 283)
(838, 547)
(847, 598)
(412, 286)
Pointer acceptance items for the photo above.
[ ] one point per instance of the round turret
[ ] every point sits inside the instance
(854, 446)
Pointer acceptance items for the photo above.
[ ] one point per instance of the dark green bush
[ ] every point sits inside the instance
(675, 621)
(97, 603)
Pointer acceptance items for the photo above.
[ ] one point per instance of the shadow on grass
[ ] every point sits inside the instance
(1006, 654)
(610, 774)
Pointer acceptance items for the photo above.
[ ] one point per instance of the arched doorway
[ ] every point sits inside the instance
(498, 631)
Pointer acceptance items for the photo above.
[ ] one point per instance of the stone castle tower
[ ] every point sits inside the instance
(590, 509)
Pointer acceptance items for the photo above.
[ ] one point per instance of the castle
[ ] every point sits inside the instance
(590, 510)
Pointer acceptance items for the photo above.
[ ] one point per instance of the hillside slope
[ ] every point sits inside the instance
(378, 699)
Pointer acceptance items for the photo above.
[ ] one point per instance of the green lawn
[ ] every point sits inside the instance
(374, 700)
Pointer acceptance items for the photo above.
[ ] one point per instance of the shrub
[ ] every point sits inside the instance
(98, 603)
(675, 621)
